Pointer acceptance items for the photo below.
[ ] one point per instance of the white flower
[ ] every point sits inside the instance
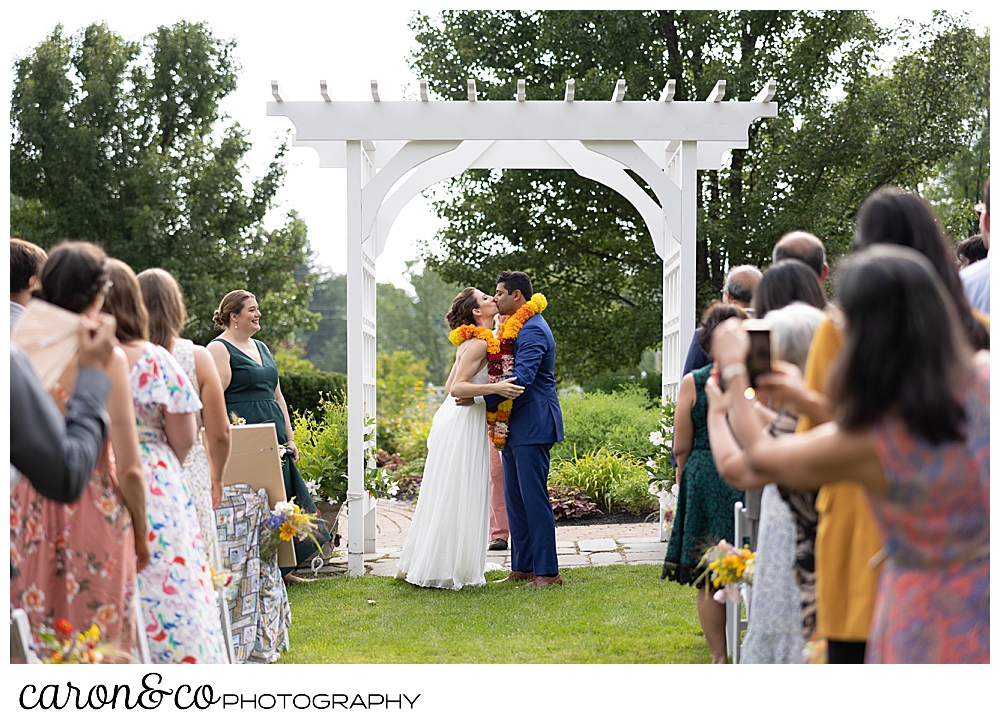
(284, 507)
(372, 463)
(393, 490)
(654, 489)
(656, 437)
(651, 464)
(668, 431)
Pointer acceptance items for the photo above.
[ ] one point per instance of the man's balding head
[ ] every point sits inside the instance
(741, 281)
(806, 248)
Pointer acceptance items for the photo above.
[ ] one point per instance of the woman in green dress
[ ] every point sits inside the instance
(705, 503)
(250, 379)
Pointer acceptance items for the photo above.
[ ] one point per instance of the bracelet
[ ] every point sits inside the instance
(731, 371)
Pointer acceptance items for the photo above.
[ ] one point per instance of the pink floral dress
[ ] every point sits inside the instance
(76, 561)
(179, 607)
(933, 603)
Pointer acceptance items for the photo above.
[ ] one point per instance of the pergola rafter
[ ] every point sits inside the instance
(394, 150)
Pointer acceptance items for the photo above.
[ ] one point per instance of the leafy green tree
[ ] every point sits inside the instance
(845, 127)
(122, 143)
(326, 345)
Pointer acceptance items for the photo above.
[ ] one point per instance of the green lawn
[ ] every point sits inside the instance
(611, 614)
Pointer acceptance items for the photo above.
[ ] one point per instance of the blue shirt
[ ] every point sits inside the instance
(976, 280)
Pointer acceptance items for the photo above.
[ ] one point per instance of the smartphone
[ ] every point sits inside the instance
(759, 357)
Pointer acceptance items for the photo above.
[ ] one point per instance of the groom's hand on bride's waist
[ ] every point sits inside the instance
(465, 401)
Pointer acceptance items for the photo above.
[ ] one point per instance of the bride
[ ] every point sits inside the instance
(446, 544)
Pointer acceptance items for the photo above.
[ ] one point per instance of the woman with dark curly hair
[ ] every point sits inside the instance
(705, 503)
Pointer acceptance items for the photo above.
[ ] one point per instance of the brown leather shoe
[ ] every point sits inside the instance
(517, 577)
(543, 581)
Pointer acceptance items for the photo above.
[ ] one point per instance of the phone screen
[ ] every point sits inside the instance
(759, 358)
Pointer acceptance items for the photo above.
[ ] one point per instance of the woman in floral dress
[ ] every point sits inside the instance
(178, 599)
(78, 561)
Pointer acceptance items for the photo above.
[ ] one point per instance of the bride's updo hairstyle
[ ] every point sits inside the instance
(462, 308)
(231, 304)
(73, 275)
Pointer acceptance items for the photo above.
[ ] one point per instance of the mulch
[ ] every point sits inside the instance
(617, 516)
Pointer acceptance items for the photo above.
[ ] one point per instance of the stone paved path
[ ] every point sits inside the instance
(577, 545)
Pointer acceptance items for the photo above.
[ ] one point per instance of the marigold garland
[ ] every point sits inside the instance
(500, 359)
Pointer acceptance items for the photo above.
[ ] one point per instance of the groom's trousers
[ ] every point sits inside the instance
(529, 512)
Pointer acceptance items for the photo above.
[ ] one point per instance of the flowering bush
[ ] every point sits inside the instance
(662, 474)
(84, 648)
(728, 567)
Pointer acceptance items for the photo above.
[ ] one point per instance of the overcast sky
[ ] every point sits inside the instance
(347, 44)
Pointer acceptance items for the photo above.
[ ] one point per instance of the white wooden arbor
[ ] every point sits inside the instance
(394, 150)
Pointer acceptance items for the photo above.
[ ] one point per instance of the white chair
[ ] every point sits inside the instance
(20, 638)
(735, 623)
(227, 626)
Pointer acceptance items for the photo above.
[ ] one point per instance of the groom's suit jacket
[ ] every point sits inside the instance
(536, 418)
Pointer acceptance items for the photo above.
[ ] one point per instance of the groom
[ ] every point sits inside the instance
(535, 424)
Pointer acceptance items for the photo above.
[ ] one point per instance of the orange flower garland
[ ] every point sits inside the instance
(500, 359)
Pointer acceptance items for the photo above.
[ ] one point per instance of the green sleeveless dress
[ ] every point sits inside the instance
(705, 503)
(251, 396)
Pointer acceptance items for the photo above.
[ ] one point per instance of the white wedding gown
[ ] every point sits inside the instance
(446, 544)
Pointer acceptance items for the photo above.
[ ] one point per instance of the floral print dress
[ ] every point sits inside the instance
(76, 561)
(179, 608)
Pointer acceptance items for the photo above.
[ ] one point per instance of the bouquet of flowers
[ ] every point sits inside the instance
(287, 522)
(668, 505)
(84, 648)
(728, 567)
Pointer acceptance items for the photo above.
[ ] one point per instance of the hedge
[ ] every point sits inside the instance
(302, 390)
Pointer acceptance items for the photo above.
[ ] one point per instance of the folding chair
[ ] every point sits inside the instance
(20, 638)
(735, 623)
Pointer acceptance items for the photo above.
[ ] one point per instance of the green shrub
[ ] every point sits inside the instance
(610, 477)
(620, 420)
(412, 441)
(304, 391)
(615, 381)
(321, 437)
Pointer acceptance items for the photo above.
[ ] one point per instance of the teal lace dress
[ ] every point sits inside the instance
(251, 396)
(705, 504)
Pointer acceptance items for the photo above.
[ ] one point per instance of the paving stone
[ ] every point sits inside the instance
(646, 539)
(385, 568)
(604, 559)
(643, 547)
(599, 545)
(644, 556)
(573, 560)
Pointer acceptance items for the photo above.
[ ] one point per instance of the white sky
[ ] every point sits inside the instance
(347, 44)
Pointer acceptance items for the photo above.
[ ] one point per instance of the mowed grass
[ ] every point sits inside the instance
(609, 614)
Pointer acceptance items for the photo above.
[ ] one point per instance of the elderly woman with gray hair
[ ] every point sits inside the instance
(784, 607)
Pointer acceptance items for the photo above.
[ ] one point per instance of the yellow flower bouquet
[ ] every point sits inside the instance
(728, 567)
(287, 522)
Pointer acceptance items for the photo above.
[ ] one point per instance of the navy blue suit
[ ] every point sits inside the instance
(535, 424)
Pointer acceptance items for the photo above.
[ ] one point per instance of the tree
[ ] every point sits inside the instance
(326, 345)
(121, 143)
(844, 128)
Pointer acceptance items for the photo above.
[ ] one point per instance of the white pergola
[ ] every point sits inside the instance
(394, 150)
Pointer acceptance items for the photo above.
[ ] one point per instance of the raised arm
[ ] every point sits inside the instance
(730, 459)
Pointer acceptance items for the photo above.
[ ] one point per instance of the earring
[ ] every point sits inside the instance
(237, 325)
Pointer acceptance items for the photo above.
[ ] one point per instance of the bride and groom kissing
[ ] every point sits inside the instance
(508, 380)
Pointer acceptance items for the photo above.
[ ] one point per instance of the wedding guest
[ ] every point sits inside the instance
(78, 562)
(805, 247)
(784, 608)
(203, 471)
(250, 380)
(58, 453)
(26, 260)
(705, 503)
(178, 598)
(741, 281)
(970, 251)
(785, 282)
(976, 277)
(913, 431)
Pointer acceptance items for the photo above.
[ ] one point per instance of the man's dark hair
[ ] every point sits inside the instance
(812, 255)
(512, 280)
(972, 249)
(26, 260)
(785, 282)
